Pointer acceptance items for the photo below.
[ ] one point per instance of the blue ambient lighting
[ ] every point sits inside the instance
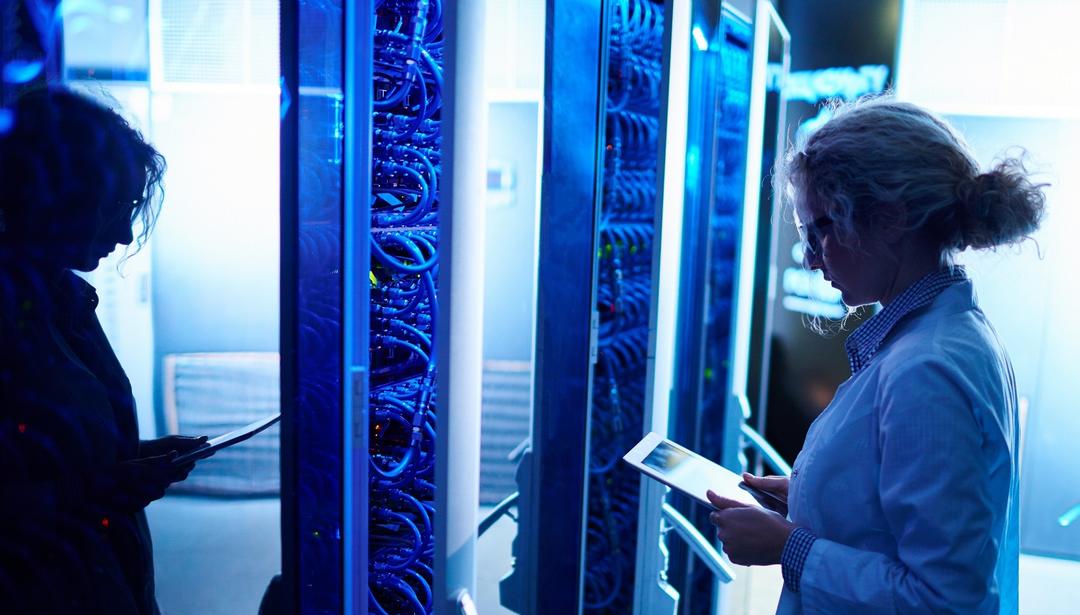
(22, 71)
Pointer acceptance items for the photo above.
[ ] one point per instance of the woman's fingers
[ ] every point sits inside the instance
(160, 446)
(767, 483)
(722, 503)
(131, 485)
(771, 492)
(184, 444)
(148, 478)
(751, 536)
(181, 472)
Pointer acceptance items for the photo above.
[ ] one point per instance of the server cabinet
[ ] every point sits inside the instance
(735, 127)
(605, 82)
(381, 458)
(717, 111)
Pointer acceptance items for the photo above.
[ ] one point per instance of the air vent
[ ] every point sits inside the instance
(215, 41)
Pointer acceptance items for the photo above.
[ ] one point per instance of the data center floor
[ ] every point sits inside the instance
(216, 555)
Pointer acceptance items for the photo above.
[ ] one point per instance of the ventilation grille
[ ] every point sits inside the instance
(217, 41)
(507, 401)
(214, 393)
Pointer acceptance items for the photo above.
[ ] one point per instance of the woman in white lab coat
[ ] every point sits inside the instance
(904, 497)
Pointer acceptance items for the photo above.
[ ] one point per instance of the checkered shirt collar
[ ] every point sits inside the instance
(864, 342)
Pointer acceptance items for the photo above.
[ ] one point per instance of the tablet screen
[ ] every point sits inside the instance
(666, 457)
(687, 471)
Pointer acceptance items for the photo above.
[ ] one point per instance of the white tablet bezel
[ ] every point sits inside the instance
(636, 458)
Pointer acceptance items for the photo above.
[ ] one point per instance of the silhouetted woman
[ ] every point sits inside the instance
(74, 477)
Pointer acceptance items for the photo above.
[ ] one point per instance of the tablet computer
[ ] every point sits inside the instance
(213, 445)
(683, 469)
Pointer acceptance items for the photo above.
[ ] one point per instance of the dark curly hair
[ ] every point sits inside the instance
(68, 165)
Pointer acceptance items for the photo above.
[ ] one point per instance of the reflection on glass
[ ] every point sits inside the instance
(315, 326)
(665, 457)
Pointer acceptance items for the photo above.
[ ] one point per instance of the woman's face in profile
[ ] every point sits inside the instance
(113, 228)
(860, 274)
(115, 215)
(113, 231)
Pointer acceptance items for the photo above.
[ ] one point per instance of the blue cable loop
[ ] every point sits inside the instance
(382, 564)
(410, 595)
(428, 595)
(389, 261)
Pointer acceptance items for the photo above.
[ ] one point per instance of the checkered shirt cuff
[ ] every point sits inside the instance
(796, 550)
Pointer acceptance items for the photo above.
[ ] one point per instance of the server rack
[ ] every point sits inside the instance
(579, 506)
(728, 246)
(406, 156)
(772, 64)
(549, 546)
(371, 97)
(690, 404)
(625, 297)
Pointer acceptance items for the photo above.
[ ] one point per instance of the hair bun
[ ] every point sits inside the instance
(971, 194)
(1001, 206)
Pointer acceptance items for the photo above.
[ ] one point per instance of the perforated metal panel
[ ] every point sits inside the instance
(507, 404)
(198, 42)
(214, 393)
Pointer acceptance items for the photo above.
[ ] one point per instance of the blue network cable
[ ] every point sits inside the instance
(406, 165)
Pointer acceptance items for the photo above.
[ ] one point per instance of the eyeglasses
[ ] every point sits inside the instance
(128, 208)
(812, 235)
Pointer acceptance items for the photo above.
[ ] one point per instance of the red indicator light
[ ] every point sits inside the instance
(22, 427)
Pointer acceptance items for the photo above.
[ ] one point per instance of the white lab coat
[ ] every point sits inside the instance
(909, 477)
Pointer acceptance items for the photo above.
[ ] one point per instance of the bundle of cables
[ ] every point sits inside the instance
(406, 159)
